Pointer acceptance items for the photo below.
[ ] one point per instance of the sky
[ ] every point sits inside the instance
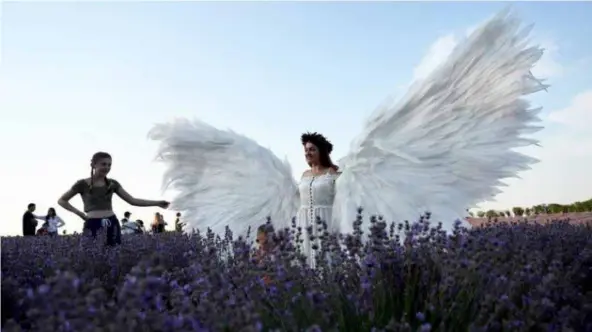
(76, 78)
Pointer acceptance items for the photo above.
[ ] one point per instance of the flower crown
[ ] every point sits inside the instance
(318, 140)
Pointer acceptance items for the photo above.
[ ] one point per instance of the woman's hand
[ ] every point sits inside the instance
(163, 204)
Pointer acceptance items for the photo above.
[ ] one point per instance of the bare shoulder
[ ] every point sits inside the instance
(334, 171)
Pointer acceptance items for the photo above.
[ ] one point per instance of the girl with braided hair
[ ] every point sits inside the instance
(444, 147)
(97, 193)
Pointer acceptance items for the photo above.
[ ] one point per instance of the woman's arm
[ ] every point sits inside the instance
(136, 201)
(60, 222)
(39, 217)
(64, 202)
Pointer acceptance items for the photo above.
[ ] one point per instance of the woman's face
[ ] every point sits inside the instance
(102, 166)
(311, 153)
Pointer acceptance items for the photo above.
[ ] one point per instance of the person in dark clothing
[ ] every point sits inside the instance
(29, 221)
(141, 226)
(158, 223)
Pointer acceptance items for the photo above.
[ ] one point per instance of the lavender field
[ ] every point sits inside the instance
(502, 277)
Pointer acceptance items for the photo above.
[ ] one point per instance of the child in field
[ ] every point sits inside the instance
(97, 194)
(264, 252)
(42, 230)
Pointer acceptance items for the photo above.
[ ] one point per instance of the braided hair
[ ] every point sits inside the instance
(95, 159)
(323, 145)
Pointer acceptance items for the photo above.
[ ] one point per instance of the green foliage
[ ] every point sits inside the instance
(552, 208)
(518, 211)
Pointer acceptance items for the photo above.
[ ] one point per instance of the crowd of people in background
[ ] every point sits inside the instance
(51, 223)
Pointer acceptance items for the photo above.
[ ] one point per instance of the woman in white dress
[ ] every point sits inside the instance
(443, 148)
(317, 189)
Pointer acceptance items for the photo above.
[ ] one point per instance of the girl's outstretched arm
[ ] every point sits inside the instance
(64, 202)
(138, 202)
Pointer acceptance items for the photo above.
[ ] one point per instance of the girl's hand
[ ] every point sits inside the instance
(163, 204)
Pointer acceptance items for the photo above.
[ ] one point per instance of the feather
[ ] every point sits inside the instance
(450, 141)
(223, 178)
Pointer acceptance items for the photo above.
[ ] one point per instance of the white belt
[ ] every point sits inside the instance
(106, 222)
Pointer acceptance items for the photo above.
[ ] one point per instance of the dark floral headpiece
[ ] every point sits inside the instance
(318, 140)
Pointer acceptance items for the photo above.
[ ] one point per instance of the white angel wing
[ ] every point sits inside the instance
(224, 179)
(448, 143)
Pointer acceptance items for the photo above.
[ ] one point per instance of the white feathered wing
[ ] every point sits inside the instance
(223, 178)
(448, 143)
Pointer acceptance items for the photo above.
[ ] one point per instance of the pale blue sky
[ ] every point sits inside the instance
(78, 78)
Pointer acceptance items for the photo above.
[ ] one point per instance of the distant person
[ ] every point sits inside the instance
(158, 223)
(126, 217)
(141, 225)
(132, 227)
(30, 220)
(97, 194)
(127, 226)
(53, 222)
(178, 223)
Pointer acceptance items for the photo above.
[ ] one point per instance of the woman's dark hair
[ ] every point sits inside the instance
(323, 146)
(50, 213)
(95, 159)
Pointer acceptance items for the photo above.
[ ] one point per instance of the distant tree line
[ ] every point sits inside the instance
(517, 211)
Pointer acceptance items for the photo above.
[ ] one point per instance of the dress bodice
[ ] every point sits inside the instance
(317, 194)
(318, 190)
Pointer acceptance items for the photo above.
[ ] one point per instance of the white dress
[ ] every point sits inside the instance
(317, 193)
(446, 146)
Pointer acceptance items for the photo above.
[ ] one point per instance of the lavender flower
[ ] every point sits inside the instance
(382, 277)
